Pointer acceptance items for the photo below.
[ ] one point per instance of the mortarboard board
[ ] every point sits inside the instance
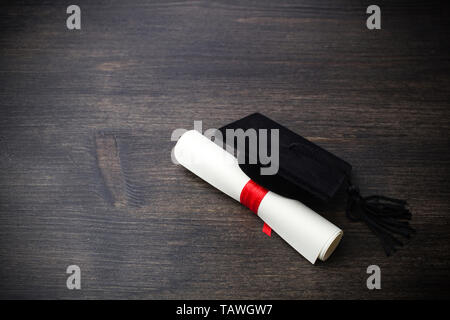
(305, 169)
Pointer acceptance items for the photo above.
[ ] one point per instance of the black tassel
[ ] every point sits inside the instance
(384, 216)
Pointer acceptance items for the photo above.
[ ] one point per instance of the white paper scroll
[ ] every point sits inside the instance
(306, 231)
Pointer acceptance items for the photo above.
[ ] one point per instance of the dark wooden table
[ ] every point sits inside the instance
(86, 120)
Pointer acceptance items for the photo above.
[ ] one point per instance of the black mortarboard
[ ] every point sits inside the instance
(305, 169)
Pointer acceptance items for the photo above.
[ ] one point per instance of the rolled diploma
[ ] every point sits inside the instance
(306, 231)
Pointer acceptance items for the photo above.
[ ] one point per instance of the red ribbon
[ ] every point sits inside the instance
(251, 197)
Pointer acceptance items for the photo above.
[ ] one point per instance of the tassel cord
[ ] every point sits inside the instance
(384, 216)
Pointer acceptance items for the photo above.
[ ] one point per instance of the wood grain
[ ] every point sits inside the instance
(86, 120)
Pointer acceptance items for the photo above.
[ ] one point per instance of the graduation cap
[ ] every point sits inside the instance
(307, 170)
